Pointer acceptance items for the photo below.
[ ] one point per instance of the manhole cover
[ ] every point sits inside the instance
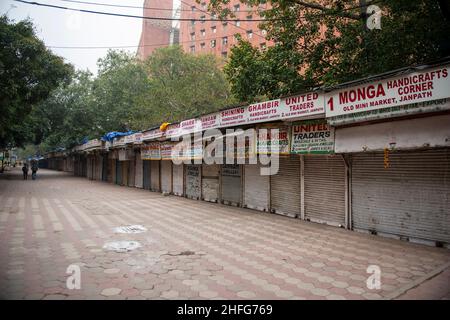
(122, 246)
(130, 229)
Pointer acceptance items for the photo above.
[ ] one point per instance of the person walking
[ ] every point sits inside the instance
(34, 169)
(25, 171)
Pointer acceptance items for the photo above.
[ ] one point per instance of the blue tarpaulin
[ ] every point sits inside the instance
(110, 136)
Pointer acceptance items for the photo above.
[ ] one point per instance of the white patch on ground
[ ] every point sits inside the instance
(137, 228)
(122, 246)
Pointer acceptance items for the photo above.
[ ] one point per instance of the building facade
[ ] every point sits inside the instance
(217, 37)
(156, 33)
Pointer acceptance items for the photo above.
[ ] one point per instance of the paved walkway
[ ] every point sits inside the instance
(192, 249)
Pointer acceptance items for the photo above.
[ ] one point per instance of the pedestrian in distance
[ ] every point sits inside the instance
(34, 169)
(25, 171)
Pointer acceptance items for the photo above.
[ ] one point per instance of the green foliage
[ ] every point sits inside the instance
(181, 86)
(28, 74)
(326, 42)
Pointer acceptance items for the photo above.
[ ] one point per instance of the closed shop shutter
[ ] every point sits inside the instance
(112, 171)
(178, 178)
(154, 175)
(125, 165)
(193, 183)
(210, 182)
(99, 162)
(138, 181)
(118, 172)
(324, 189)
(89, 168)
(410, 198)
(231, 184)
(285, 187)
(256, 188)
(131, 170)
(166, 176)
(146, 174)
(105, 167)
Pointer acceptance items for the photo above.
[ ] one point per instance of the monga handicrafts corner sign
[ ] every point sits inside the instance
(423, 86)
(312, 137)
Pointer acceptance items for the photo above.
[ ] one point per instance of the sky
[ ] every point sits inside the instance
(69, 28)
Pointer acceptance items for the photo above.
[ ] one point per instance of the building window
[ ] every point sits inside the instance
(192, 49)
(203, 32)
(236, 37)
(203, 19)
(225, 41)
(193, 8)
(249, 17)
(249, 34)
(264, 32)
(204, 5)
(263, 46)
(192, 22)
(202, 45)
(193, 36)
(238, 23)
(213, 43)
(236, 8)
(224, 54)
(213, 29)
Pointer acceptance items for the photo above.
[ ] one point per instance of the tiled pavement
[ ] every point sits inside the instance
(192, 249)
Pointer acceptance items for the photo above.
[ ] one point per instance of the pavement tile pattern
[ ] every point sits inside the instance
(191, 249)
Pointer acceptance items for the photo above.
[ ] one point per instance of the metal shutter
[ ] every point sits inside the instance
(231, 184)
(99, 168)
(256, 188)
(178, 179)
(409, 199)
(210, 182)
(112, 171)
(146, 174)
(154, 175)
(193, 183)
(131, 169)
(285, 187)
(138, 181)
(105, 167)
(118, 172)
(125, 165)
(166, 176)
(324, 189)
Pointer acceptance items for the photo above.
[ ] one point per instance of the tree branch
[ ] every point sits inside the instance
(316, 6)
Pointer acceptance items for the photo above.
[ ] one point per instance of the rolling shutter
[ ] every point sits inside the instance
(193, 183)
(285, 187)
(138, 181)
(231, 184)
(210, 182)
(146, 174)
(410, 199)
(125, 165)
(118, 172)
(105, 167)
(324, 189)
(166, 176)
(178, 179)
(154, 175)
(256, 188)
(131, 169)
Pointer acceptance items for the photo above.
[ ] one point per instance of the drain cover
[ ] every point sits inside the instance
(122, 246)
(137, 228)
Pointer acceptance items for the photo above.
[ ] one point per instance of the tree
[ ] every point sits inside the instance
(326, 42)
(181, 86)
(121, 82)
(28, 74)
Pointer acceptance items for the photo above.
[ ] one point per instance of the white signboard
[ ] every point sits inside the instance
(427, 85)
(151, 151)
(151, 134)
(233, 117)
(210, 121)
(312, 137)
(303, 105)
(263, 111)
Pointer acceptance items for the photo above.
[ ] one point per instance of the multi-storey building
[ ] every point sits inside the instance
(217, 37)
(156, 33)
